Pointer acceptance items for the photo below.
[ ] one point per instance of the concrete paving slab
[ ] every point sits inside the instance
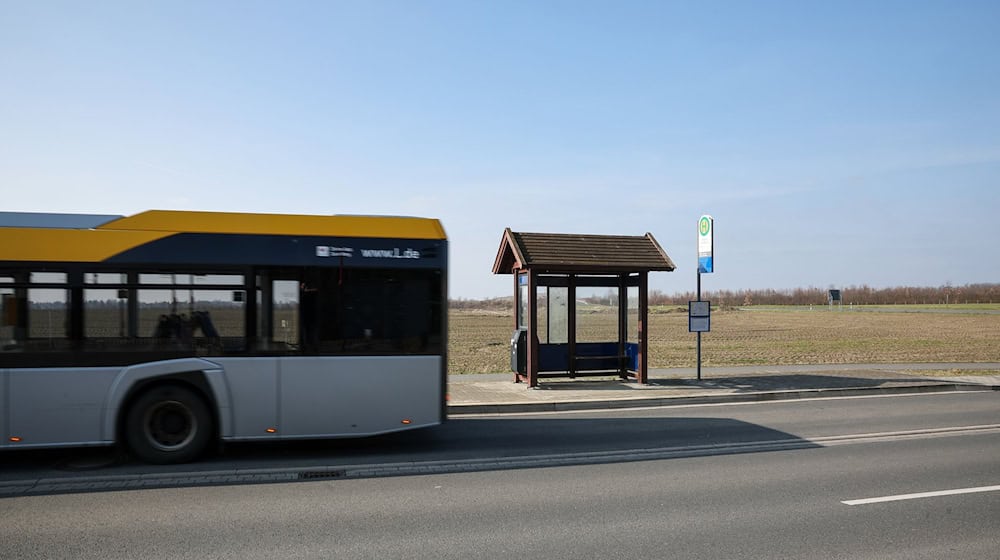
(497, 393)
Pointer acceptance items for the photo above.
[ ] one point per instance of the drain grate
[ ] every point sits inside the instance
(311, 475)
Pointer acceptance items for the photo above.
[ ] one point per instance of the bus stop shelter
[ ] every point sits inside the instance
(548, 268)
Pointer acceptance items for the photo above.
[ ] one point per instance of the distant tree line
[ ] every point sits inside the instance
(850, 295)
(491, 304)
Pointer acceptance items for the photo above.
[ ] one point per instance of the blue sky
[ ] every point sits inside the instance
(835, 143)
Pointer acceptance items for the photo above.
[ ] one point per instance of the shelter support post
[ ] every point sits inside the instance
(571, 324)
(622, 325)
(518, 376)
(532, 357)
(641, 372)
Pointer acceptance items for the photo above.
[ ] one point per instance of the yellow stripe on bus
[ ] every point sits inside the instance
(68, 245)
(388, 227)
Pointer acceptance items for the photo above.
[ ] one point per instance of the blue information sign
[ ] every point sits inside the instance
(706, 244)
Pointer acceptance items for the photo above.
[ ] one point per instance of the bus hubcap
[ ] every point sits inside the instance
(170, 425)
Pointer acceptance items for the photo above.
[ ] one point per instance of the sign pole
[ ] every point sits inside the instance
(699, 332)
(701, 320)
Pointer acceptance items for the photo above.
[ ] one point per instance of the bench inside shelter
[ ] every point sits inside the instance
(586, 359)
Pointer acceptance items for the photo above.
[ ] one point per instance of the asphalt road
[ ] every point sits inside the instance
(620, 433)
(766, 480)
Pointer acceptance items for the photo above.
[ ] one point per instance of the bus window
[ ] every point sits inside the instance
(48, 312)
(37, 312)
(285, 314)
(197, 313)
(105, 314)
(372, 311)
(9, 315)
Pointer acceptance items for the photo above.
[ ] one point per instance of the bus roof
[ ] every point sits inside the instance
(92, 238)
(53, 221)
(185, 221)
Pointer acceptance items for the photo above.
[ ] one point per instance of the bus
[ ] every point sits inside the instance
(166, 331)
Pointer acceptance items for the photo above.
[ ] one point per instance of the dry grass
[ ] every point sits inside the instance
(479, 342)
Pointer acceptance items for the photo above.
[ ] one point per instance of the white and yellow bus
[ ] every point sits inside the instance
(168, 330)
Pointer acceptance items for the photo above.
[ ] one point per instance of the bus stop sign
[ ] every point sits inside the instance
(706, 227)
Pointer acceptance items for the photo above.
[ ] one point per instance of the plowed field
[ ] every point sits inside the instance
(479, 341)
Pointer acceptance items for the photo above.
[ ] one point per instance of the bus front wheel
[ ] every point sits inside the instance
(168, 424)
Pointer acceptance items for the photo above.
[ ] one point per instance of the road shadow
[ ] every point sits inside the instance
(573, 441)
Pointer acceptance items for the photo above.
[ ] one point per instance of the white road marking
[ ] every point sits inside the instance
(921, 495)
(848, 439)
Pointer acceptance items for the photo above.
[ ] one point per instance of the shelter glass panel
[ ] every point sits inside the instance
(522, 301)
(596, 314)
(633, 314)
(558, 315)
(543, 314)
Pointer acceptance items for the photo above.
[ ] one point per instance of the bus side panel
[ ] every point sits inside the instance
(58, 406)
(253, 394)
(4, 408)
(357, 396)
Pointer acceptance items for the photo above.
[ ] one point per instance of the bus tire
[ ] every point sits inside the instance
(168, 424)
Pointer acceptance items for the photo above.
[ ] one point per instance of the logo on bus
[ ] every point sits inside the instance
(329, 251)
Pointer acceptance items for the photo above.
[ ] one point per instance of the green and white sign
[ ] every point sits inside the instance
(706, 245)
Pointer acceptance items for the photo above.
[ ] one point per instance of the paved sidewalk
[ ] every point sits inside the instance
(497, 393)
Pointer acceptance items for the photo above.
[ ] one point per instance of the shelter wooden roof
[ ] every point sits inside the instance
(568, 253)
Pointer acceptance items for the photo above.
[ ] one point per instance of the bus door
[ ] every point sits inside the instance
(291, 314)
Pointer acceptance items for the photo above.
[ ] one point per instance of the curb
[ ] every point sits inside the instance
(684, 400)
